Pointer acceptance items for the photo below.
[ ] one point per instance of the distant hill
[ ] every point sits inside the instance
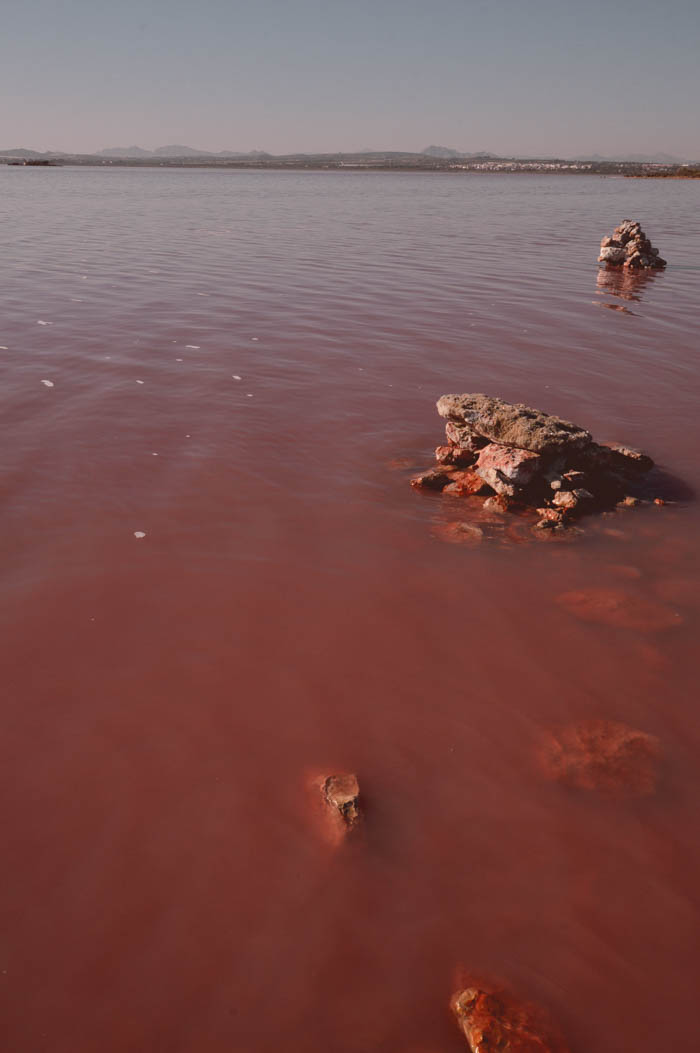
(440, 151)
(20, 151)
(180, 151)
(124, 151)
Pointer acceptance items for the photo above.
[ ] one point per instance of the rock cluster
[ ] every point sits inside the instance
(521, 459)
(629, 247)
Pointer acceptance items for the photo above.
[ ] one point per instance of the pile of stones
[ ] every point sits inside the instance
(523, 460)
(630, 248)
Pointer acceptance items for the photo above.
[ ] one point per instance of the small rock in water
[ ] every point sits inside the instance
(47, 383)
(494, 1021)
(629, 248)
(342, 795)
(434, 479)
(464, 483)
(139, 533)
(602, 755)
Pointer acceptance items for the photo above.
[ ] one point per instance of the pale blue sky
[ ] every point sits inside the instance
(550, 77)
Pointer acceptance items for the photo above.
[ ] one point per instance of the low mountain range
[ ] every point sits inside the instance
(439, 153)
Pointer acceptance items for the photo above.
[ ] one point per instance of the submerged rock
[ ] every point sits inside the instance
(494, 1021)
(628, 247)
(604, 756)
(620, 609)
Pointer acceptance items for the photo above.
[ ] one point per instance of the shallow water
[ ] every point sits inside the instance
(244, 368)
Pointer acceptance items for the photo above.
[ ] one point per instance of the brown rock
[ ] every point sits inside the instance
(433, 479)
(455, 455)
(572, 500)
(616, 458)
(342, 795)
(493, 1021)
(498, 504)
(465, 438)
(512, 424)
(615, 607)
(603, 755)
(465, 483)
(550, 515)
(506, 469)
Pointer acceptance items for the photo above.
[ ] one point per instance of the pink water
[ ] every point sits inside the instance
(164, 887)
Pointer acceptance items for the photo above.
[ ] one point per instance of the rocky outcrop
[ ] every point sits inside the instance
(628, 247)
(494, 1021)
(534, 462)
(604, 756)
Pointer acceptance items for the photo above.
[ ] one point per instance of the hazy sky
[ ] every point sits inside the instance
(556, 77)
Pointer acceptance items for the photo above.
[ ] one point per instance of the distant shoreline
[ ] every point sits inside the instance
(363, 163)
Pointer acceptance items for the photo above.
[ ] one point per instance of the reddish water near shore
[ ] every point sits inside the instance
(244, 368)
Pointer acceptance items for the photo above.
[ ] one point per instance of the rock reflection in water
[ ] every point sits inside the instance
(628, 285)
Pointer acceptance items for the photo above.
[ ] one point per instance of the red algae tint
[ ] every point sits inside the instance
(217, 579)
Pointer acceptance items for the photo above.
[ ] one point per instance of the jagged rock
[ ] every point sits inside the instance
(505, 468)
(602, 755)
(493, 1021)
(572, 500)
(615, 607)
(512, 424)
(458, 456)
(612, 254)
(629, 247)
(342, 795)
(463, 437)
(464, 483)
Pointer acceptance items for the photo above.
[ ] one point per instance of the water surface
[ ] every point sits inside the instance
(244, 368)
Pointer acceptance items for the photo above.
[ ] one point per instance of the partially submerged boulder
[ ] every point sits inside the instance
(532, 460)
(494, 1021)
(628, 247)
(604, 756)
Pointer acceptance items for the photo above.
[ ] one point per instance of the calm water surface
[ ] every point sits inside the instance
(244, 368)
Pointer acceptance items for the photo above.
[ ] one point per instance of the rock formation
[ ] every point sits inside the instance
(604, 756)
(629, 247)
(494, 1021)
(531, 461)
